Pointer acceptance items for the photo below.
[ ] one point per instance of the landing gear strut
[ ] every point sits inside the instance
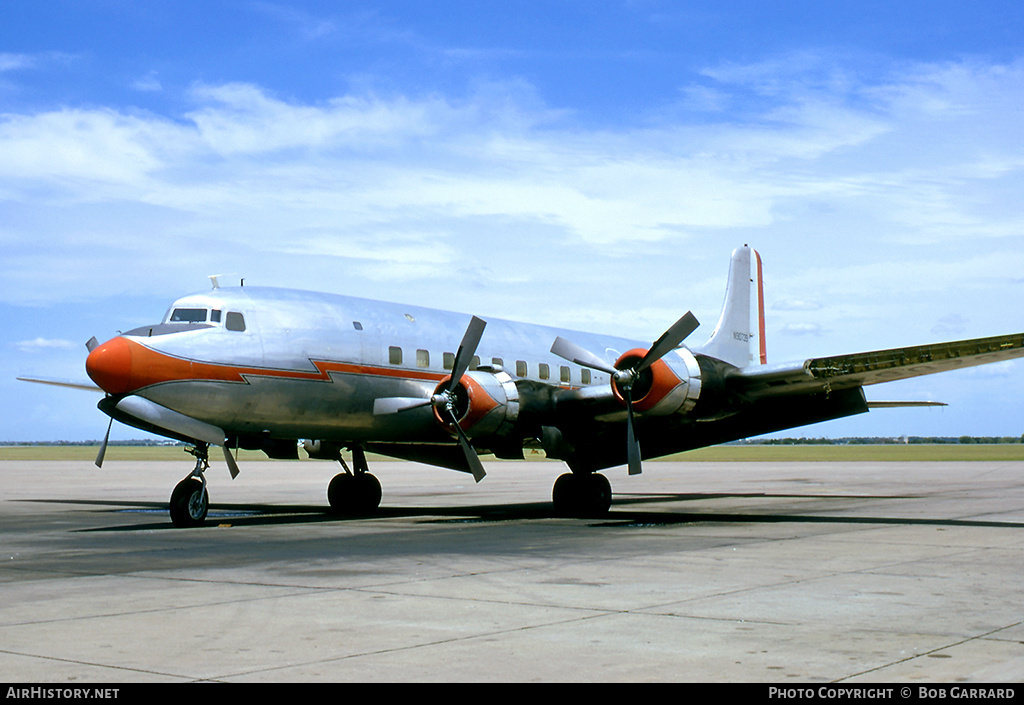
(354, 492)
(189, 500)
(582, 495)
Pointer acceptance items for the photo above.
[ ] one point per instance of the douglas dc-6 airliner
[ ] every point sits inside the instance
(279, 369)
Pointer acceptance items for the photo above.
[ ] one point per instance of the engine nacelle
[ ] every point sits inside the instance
(486, 404)
(669, 386)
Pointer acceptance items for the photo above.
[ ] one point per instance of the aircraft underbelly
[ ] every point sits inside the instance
(339, 409)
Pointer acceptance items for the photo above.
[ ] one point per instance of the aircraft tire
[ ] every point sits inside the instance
(354, 494)
(598, 493)
(582, 496)
(369, 492)
(339, 493)
(564, 495)
(189, 503)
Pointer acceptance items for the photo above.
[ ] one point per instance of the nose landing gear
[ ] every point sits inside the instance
(190, 500)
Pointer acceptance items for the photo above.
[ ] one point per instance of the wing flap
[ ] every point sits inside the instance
(862, 369)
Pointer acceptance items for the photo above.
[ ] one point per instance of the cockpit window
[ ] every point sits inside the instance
(188, 315)
(235, 321)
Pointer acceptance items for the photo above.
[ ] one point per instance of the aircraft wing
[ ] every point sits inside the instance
(861, 369)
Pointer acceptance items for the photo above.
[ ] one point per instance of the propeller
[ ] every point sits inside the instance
(91, 345)
(103, 446)
(628, 375)
(444, 398)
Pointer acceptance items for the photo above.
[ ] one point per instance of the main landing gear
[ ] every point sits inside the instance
(354, 492)
(582, 495)
(190, 500)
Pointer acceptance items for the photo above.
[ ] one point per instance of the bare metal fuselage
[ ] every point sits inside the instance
(311, 365)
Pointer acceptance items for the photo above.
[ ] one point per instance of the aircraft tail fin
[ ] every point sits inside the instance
(734, 340)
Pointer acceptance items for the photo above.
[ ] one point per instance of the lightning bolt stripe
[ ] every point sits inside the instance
(151, 367)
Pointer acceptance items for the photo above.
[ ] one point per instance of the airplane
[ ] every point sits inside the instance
(278, 369)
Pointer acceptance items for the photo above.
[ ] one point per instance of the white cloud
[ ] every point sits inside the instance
(37, 345)
(15, 62)
(148, 83)
(79, 152)
(801, 329)
(834, 175)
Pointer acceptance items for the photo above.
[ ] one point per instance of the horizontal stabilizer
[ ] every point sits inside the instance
(899, 404)
(862, 369)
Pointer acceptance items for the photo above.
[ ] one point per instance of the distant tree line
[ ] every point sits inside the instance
(904, 440)
(851, 441)
(141, 442)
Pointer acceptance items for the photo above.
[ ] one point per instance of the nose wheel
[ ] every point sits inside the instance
(190, 500)
(354, 492)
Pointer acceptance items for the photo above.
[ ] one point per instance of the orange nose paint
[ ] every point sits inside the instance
(110, 366)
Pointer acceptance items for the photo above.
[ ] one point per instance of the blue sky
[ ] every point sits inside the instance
(583, 164)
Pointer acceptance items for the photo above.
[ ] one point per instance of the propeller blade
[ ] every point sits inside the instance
(466, 351)
(669, 340)
(632, 446)
(230, 460)
(467, 448)
(463, 357)
(392, 405)
(103, 446)
(572, 352)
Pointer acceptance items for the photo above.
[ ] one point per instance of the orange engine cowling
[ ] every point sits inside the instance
(670, 385)
(486, 404)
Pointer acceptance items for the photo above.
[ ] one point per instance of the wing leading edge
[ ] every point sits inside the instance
(862, 369)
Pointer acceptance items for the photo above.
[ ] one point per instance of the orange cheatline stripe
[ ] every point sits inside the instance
(151, 367)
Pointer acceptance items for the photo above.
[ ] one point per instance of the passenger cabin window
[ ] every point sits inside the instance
(188, 315)
(585, 376)
(564, 371)
(235, 321)
(521, 369)
(422, 358)
(448, 361)
(543, 370)
(395, 355)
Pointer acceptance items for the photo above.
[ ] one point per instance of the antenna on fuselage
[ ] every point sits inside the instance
(215, 278)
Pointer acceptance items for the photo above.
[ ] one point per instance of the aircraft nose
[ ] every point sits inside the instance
(110, 366)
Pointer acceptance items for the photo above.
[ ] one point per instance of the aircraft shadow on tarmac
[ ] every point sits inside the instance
(626, 512)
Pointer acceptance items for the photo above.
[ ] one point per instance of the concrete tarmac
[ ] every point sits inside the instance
(762, 572)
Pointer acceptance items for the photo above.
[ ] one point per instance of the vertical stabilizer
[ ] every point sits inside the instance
(733, 341)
